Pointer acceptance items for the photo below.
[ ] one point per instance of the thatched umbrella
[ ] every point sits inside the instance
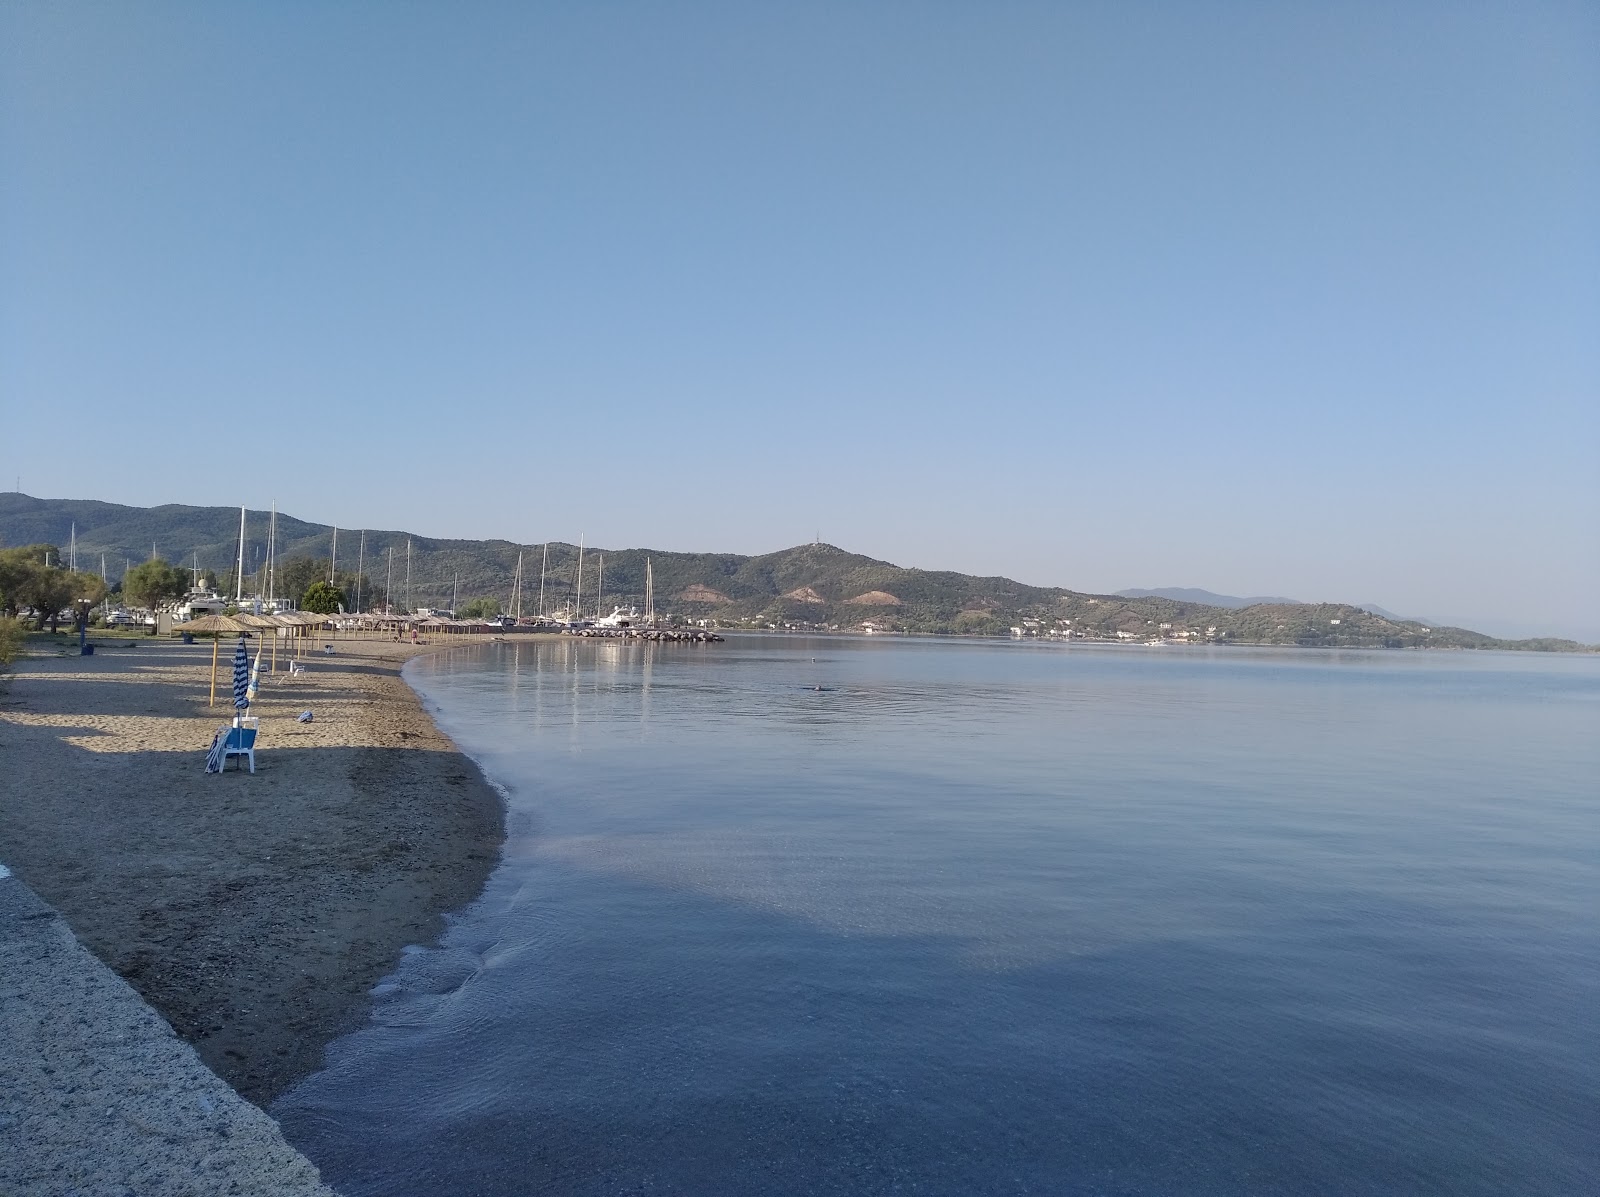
(297, 622)
(262, 623)
(210, 625)
(213, 626)
(311, 620)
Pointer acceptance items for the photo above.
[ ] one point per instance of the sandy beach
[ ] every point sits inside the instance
(252, 912)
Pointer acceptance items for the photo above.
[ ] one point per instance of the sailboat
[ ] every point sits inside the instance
(572, 617)
(515, 606)
(544, 561)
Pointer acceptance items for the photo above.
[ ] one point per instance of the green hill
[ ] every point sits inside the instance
(814, 586)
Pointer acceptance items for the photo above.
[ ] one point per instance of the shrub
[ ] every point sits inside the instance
(11, 636)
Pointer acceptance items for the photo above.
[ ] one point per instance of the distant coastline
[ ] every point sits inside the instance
(1101, 642)
(812, 587)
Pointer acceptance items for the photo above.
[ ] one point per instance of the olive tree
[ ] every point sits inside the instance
(17, 569)
(47, 590)
(153, 582)
(88, 591)
(324, 598)
(479, 608)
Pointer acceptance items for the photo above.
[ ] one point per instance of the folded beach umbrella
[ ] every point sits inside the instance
(241, 676)
(255, 675)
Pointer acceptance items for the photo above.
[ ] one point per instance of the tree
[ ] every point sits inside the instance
(17, 569)
(296, 575)
(88, 591)
(47, 590)
(324, 598)
(358, 588)
(150, 583)
(479, 608)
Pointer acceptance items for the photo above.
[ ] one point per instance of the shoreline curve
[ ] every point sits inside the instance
(252, 912)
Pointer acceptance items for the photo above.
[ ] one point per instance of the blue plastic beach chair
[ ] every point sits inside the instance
(239, 740)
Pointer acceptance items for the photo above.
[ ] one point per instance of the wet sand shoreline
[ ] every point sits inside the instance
(252, 912)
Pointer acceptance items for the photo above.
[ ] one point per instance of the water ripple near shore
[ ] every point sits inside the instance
(998, 921)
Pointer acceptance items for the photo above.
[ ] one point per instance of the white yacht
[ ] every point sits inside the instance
(200, 602)
(620, 617)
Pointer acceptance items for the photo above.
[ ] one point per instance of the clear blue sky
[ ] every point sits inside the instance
(1273, 298)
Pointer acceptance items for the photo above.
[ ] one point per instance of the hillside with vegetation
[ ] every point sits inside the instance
(815, 586)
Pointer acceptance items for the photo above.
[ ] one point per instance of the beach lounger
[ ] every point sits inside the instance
(233, 741)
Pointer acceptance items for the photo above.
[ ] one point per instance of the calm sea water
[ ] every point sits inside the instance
(999, 918)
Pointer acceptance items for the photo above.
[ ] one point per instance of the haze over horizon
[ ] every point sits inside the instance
(257, 532)
(1255, 300)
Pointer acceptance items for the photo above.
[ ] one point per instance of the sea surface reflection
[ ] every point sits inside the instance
(813, 915)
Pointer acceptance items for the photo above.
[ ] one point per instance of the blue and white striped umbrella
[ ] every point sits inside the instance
(241, 676)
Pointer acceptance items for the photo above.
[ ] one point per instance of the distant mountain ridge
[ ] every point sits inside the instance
(807, 586)
(1189, 594)
(1377, 610)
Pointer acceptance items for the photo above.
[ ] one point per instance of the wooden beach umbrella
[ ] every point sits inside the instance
(290, 621)
(213, 626)
(262, 623)
(302, 623)
(311, 620)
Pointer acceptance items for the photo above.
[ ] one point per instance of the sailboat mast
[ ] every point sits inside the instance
(238, 571)
(577, 604)
(361, 565)
(516, 595)
(333, 562)
(409, 608)
(543, 561)
(272, 554)
(388, 586)
(600, 586)
(649, 593)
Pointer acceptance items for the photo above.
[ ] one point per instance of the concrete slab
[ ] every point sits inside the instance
(98, 1097)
